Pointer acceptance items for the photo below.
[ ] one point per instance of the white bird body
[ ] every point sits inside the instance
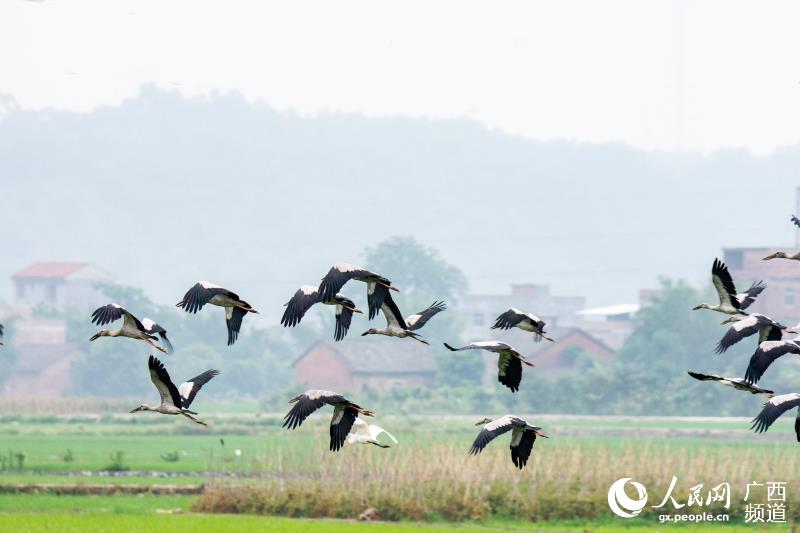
(345, 413)
(205, 292)
(174, 400)
(730, 302)
(509, 361)
(131, 328)
(397, 326)
(514, 318)
(365, 433)
(773, 409)
(523, 435)
(307, 296)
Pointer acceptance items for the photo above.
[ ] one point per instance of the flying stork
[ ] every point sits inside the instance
(206, 292)
(132, 328)
(364, 433)
(514, 318)
(345, 413)
(775, 407)
(509, 362)
(377, 286)
(736, 383)
(766, 354)
(523, 435)
(175, 400)
(786, 255)
(397, 326)
(306, 296)
(730, 302)
(747, 325)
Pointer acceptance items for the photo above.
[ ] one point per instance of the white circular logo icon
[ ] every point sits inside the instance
(619, 501)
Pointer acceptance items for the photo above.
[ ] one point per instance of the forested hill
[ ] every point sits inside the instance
(218, 188)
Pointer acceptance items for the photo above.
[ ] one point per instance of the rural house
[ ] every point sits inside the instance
(351, 365)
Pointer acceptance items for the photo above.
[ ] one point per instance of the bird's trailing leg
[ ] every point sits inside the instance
(154, 345)
(418, 338)
(193, 419)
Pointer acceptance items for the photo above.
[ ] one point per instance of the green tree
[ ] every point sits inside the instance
(422, 277)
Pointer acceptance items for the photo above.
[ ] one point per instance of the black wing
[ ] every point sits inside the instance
(723, 282)
(508, 320)
(772, 333)
(489, 432)
(191, 387)
(297, 307)
(766, 354)
(336, 277)
(154, 329)
(305, 405)
(344, 316)
(107, 314)
(340, 430)
(195, 298)
(376, 296)
(750, 294)
(160, 378)
(416, 321)
(742, 329)
(522, 451)
(509, 371)
(795, 221)
(392, 312)
(705, 377)
(233, 320)
(774, 408)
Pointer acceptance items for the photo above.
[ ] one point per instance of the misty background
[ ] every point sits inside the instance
(164, 155)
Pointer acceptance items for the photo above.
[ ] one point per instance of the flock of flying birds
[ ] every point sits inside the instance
(346, 425)
(771, 344)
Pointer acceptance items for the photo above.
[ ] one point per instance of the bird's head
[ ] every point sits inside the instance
(140, 407)
(103, 333)
(483, 422)
(730, 320)
(370, 331)
(776, 255)
(701, 306)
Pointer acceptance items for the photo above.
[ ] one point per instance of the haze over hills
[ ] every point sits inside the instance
(164, 190)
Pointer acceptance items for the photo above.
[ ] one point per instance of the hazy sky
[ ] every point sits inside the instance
(693, 75)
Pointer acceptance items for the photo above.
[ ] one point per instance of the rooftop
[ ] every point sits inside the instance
(49, 269)
(381, 356)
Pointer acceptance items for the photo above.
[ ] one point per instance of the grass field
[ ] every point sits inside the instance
(250, 465)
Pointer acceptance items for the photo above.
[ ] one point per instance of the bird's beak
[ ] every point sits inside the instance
(136, 410)
(365, 333)
(94, 337)
(696, 308)
(770, 256)
(357, 310)
(481, 422)
(726, 321)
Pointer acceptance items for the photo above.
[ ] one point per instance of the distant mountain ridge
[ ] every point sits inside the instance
(165, 190)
